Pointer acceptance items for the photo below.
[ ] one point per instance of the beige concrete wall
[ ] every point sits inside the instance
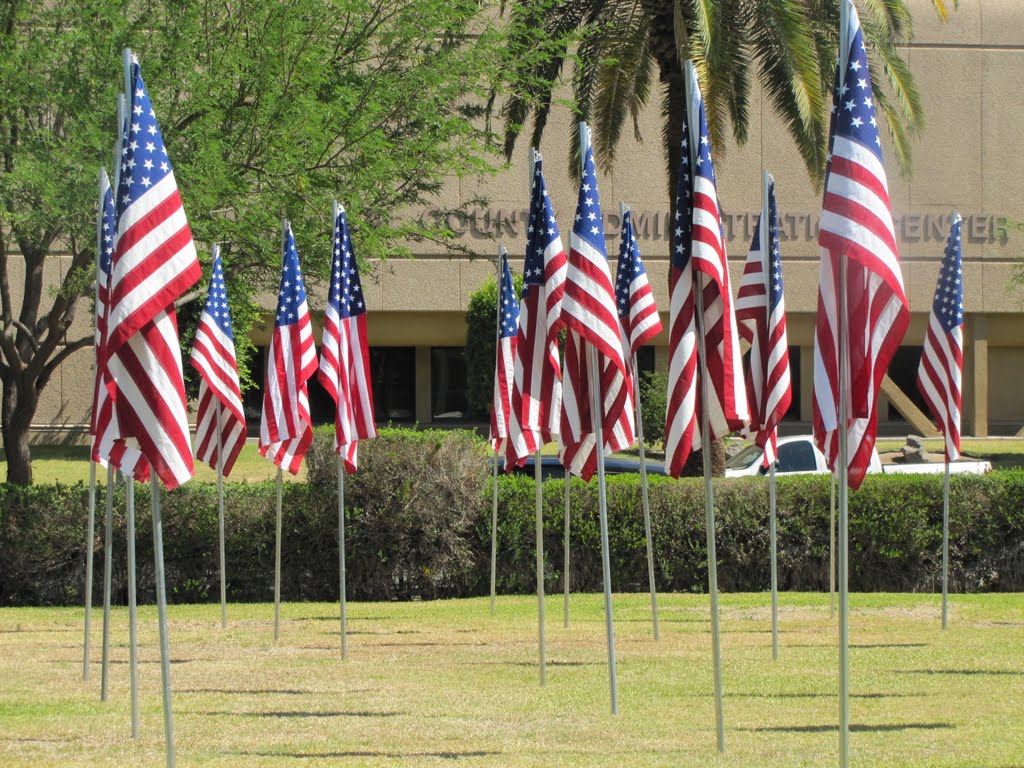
(969, 72)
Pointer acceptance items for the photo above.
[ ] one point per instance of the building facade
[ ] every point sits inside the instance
(969, 158)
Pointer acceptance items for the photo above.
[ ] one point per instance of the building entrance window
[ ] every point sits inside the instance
(448, 384)
(393, 373)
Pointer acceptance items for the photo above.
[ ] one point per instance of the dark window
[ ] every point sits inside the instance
(903, 371)
(796, 457)
(252, 398)
(393, 373)
(645, 360)
(447, 384)
(793, 414)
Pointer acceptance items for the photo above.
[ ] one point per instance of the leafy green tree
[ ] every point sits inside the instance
(481, 318)
(268, 109)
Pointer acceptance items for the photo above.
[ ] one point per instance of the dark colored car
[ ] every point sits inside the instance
(550, 467)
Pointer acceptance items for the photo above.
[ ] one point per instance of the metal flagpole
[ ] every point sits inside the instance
(107, 557)
(277, 526)
(220, 519)
(539, 531)
(90, 537)
(645, 498)
(832, 546)
(709, 494)
(844, 491)
(602, 497)
(277, 562)
(765, 182)
(220, 498)
(565, 549)
(341, 558)
(602, 501)
(108, 543)
(161, 606)
(709, 521)
(494, 473)
(775, 568)
(133, 648)
(945, 549)
(91, 527)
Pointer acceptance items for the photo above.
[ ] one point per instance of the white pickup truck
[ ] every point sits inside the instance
(798, 455)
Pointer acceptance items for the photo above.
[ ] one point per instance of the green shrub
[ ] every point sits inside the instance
(418, 525)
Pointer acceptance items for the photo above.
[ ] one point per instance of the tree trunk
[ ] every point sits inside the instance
(20, 401)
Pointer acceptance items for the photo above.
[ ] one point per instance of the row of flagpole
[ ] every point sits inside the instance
(587, 312)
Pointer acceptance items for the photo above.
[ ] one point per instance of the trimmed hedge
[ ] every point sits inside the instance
(418, 525)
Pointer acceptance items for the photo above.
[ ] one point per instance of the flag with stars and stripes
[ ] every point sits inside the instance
(699, 263)
(345, 353)
(504, 362)
(154, 263)
(537, 383)
(220, 421)
(761, 312)
(105, 449)
(588, 311)
(285, 429)
(856, 235)
(633, 295)
(942, 360)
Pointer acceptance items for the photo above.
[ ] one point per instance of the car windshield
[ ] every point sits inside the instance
(744, 458)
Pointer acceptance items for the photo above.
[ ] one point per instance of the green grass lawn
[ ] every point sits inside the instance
(443, 683)
(70, 464)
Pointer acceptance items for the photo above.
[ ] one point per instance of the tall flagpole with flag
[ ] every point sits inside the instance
(505, 332)
(154, 262)
(537, 389)
(220, 421)
(597, 408)
(702, 332)
(862, 307)
(761, 312)
(640, 323)
(940, 371)
(345, 373)
(286, 431)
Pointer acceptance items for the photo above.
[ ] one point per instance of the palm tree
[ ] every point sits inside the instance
(789, 46)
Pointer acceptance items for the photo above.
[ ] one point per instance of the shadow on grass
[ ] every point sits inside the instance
(250, 691)
(888, 645)
(1010, 672)
(826, 695)
(339, 713)
(390, 755)
(854, 728)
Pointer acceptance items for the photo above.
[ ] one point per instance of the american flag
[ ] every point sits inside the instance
(699, 257)
(105, 449)
(220, 421)
(588, 311)
(633, 295)
(504, 361)
(761, 312)
(285, 429)
(537, 389)
(154, 263)
(345, 354)
(856, 235)
(942, 359)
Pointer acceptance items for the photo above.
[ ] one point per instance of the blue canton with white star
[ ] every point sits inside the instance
(143, 154)
(541, 231)
(630, 266)
(509, 305)
(774, 254)
(948, 303)
(292, 292)
(107, 246)
(346, 294)
(217, 300)
(853, 106)
(588, 224)
(682, 225)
